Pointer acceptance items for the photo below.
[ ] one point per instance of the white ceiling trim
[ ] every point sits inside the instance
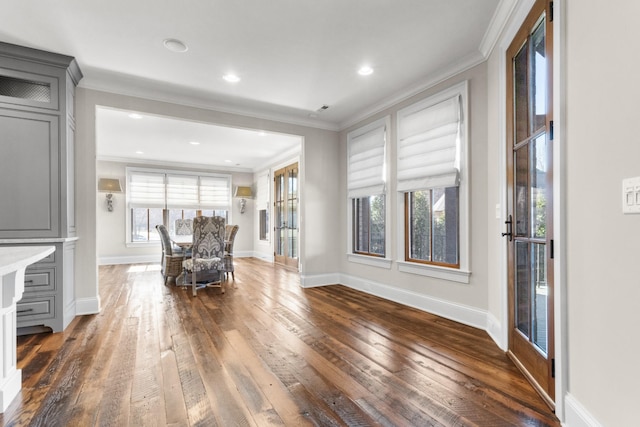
(496, 26)
(429, 82)
(164, 163)
(116, 87)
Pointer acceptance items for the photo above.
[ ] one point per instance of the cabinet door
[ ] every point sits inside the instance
(29, 175)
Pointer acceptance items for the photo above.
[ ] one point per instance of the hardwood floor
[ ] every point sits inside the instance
(265, 353)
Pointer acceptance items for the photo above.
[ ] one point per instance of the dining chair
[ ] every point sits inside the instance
(184, 227)
(172, 256)
(229, 238)
(207, 251)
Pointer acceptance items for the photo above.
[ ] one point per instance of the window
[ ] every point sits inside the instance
(432, 216)
(432, 179)
(369, 229)
(155, 197)
(366, 177)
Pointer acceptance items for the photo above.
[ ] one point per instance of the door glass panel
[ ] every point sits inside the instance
(539, 299)
(521, 95)
(539, 186)
(539, 78)
(293, 243)
(523, 288)
(522, 191)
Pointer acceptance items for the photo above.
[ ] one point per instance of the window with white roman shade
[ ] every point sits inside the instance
(366, 160)
(182, 191)
(146, 190)
(429, 144)
(215, 192)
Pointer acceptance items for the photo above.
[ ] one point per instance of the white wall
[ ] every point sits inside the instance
(603, 245)
(463, 302)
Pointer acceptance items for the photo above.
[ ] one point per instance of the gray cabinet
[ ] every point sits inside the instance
(37, 187)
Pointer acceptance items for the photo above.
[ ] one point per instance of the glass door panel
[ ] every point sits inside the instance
(286, 210)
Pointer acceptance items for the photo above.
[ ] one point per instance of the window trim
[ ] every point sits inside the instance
(372, 259)
(462, 273)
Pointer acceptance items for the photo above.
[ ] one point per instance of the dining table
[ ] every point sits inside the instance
(183, 240)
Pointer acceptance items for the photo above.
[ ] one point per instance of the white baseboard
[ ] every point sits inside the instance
(494, 329)
(453, 311)
(575, 415)
(312, 281)
(460, 313)
(87, 306)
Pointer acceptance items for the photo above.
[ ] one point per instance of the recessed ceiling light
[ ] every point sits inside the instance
(231, 78)
(135, 116)
(194, 143)
(365, 71)
(228, 161)
(139, 152)
(175, 45)
(261, 133)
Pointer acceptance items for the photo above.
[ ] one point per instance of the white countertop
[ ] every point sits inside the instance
(37, 240)
(17, 257)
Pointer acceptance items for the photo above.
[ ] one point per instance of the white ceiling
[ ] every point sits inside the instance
(293, 56)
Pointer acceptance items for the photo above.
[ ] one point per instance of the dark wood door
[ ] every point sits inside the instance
(530, 199)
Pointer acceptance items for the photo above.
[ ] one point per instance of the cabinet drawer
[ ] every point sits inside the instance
(32, 308)
(40, 280)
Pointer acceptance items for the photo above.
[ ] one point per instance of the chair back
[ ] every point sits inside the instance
(184, 227)
(167, 247)
(208, 237)
(229, 237)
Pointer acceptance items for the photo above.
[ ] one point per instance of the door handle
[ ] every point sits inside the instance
(509, 224)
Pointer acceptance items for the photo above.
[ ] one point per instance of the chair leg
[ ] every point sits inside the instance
(193, 281)
(233, 275)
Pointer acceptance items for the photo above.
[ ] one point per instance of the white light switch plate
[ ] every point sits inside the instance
(631, 195)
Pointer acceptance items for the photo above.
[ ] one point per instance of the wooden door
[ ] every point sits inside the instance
(286, 230)
(530, 199)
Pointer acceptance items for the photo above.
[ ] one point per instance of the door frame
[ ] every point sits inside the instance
(501, 334)
(272, 209)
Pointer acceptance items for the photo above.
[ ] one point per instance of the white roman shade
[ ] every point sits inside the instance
(215, 193)
(366, 160)
(262, 195)
(146, 190)
(429, 145)
(182, 191)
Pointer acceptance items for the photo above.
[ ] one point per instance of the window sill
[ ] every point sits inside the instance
(150, 244)
(445, 273)
(370, 260)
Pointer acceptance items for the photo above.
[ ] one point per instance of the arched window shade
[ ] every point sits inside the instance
(429, 145)
(366, 157)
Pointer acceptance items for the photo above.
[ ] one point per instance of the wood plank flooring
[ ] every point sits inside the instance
(265, 353)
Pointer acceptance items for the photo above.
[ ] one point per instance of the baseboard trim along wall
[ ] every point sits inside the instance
(460, 313)
(576, 415)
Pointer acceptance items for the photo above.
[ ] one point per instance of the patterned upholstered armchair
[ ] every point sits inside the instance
(184, 227)
(207, 251)
(229, 238)
(172, 256)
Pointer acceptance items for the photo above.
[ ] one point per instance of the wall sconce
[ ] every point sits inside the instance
(109, 186)
(244, 193)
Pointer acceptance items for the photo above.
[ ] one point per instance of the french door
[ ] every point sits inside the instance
(286, 216)
(529, 227)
